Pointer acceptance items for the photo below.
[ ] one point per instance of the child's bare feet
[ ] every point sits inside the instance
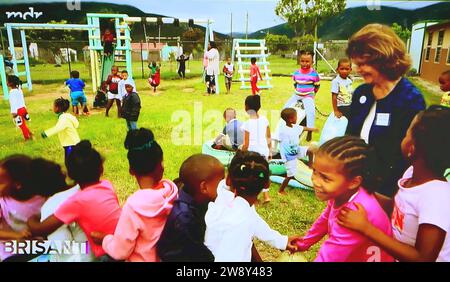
(282, 193)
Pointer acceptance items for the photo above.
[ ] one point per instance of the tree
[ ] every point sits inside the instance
(193, 39)
(304, 16)
(403, 33)
(277, 43)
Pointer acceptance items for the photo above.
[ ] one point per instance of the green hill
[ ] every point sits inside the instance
(351, 20)
(59, 11)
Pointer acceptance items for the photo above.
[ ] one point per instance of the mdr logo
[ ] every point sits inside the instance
(24, 15)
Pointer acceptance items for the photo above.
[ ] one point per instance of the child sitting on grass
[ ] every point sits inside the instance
(421, 206)
(343, 175)
(290, 150)
(232, 136)
(231, 220)
(24, 185)
(66, 127)
(145, 212)
(94, 208)
(184, 232)
(76, 86)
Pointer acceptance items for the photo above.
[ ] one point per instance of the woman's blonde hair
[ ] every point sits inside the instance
(382, 48)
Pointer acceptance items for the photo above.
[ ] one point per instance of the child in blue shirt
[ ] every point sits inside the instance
(76, 86)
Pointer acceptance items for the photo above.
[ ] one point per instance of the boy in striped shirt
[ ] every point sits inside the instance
(307, 82)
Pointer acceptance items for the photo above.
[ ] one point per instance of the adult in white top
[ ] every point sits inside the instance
(212, 67)
(213, 59)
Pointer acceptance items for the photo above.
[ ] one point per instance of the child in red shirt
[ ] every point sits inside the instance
(108, 39)
(112, 82)
(254, 74)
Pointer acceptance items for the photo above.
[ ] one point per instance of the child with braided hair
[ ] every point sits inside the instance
(231, 220)
(343, 175)
(421, 207)
(145, 212)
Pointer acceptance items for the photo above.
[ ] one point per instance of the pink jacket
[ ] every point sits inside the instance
(345, 245)
(141, 223)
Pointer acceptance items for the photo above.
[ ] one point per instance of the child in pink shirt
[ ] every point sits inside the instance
(94, 207)
(342, 175)
(145, 212)
(420, 209)
(24, 184)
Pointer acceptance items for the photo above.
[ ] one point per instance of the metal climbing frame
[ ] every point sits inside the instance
(95, 45)
(243, 66)
(122, 48)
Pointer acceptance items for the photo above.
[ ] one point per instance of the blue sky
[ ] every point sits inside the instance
(260, 12)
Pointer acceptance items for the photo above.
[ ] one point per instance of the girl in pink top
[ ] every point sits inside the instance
(145, 212)
(94, 207)
(24, 184)
(342, 175)
(420, 210)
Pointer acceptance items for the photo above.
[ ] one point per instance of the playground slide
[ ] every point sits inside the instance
(107, 63)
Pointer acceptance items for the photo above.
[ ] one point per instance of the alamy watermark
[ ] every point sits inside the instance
(46, 247)
(373, 5)
(199, 126)
(73, 5)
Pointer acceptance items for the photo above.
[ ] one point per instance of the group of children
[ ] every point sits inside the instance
(158, 221)
(207, 215)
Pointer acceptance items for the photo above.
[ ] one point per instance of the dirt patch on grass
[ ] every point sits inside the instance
(188, 90)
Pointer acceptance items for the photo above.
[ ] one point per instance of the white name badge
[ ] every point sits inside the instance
(383, 119)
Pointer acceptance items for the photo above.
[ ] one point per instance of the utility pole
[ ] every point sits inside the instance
(231, 27)
(246, 27)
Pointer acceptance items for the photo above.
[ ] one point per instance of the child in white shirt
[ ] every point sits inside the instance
(231, 220)
(290, 150)
(341, 89)
(17, 103)
(125, 80)
(257, 133)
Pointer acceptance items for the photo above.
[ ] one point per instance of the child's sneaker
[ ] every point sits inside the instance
(27, 117)
(18, 121)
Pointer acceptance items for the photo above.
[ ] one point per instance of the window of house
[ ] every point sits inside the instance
(428, 48)
(437, 57)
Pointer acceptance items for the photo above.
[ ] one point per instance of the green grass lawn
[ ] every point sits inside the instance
(291, 214)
